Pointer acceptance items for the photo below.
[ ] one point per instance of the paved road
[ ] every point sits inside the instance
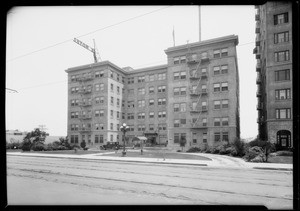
(48, 181)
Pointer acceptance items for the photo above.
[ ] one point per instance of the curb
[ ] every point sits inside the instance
(113, 160)
(270, 168)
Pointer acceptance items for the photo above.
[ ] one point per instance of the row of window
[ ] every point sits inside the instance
(218, 121)
(98, 88)
(152, 77)
(218, 87)
(97, 74)
(217, 53)
(218, 136)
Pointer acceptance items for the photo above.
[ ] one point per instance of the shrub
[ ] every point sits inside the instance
(83, 144)
(26, 145)
(74, 146)
(239, 147)
(178, 150)
(85, 148)
(38, 147)
(253, 152)
(194, 149)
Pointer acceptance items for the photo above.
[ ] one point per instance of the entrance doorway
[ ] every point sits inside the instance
(283, 139)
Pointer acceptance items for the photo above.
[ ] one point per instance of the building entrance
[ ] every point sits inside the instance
(284, 139)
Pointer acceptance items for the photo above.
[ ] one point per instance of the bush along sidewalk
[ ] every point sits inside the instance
(254, 151)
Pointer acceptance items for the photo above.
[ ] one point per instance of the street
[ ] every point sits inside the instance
(59, 181)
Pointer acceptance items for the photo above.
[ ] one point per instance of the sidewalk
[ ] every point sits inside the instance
(217, 161)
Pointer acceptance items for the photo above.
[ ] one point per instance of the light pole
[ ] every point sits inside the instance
(124, 128)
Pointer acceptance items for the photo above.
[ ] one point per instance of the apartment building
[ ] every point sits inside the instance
(273, 51)
(194, 96)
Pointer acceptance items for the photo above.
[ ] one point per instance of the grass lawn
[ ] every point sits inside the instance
(65, 152)
(281, 159)
(157, 154)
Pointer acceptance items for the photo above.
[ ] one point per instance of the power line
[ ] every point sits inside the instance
(106, 27)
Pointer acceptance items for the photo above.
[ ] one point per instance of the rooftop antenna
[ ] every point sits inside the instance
(87, 47)
(199, 23)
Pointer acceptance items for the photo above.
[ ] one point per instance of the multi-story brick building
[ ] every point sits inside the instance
(195, 96)
(274, 72)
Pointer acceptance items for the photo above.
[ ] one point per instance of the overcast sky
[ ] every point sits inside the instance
(40, 49)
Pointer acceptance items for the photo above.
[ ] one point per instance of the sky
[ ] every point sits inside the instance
(40, 48)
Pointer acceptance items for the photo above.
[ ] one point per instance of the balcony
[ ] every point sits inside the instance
(258, 93)
(84, 117)
(257, 16)
(193, 58)
(85, 78)
(258, 53)
(85, 91)
(195, 92)
(257, 27)
(258, 66)
(195, 110)
(257, 40)
(258, 79)
(255, 50)
(198, 126)
(84, 104)
(194, 76)
(259, 106)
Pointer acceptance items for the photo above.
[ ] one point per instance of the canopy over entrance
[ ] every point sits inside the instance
(139, 138)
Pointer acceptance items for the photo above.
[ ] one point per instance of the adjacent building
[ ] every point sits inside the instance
(273, 51)
(194, 96)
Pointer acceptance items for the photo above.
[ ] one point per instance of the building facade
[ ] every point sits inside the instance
(273, 52)
(194, 96)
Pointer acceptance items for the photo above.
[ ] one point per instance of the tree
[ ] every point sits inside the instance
(268, 147)
(33, 139)
(83, 144)
(182, 143)
(65, 142)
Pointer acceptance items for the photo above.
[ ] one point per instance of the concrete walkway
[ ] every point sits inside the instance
(217, 161)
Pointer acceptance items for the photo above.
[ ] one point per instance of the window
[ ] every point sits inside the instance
(204, 55)
(118, 77)
(225, 136)
(97, 113)
(176, 137)
(224, 103)
(176, 91)
(224, 69)
(204, 105)
(111, 100)
(176, 122)
(111, 114)
(101, 87)
(111, 87)
(97, 87)
(176, 76)
(123, 115)
(161, 88)
(161, 101)
(204, 137)
(282, 56)
(151, 127)
(284, 113)
(176, 60)
(101, 126)
(161, 114)
(182, 107)
(204, 88)
(141, 115)
(141, 127)
(216, 70)
(118, 115)
(131, 127)
(183, 90)
(101, 99)
(217, 136)
(97, 126)
(224, 86)
(217, 104)
(130, 104)
(182, 122)
(162, 126)
(73, 78)
(130, 116)
(282, 94)
(141, 103)
(281, 37)
(102, 113)
(118, 90)
(151, 114)
(97, 74)
(130, 80)
(151, 77)
(204, 122)
(97, 137)
(176, 107)
(217, 54)
(216, 87)
(141, 91)
(111, 126)
(141, 79)
(183, 59)
(225, 121)
(118, 102)
(130, 91)
(194, 138)
(151, 102)
(162, 76)
(281, 18)
(217, 122)
(224, 52)
(151, 89)
(97, 100)
(101, 139)
(282, 75)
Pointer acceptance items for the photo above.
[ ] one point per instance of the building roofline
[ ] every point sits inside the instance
(72, 69)
(148, 68)
(203, 43)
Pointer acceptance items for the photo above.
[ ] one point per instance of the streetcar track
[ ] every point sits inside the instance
(150, 183)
